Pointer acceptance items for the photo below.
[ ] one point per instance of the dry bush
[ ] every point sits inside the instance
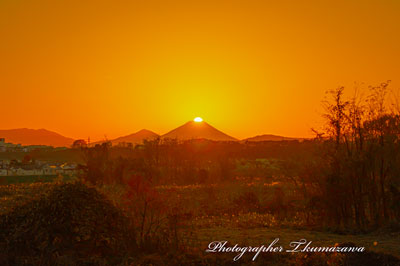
(69, 225)
(156, 218)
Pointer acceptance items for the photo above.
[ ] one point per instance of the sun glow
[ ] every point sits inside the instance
(198, 119)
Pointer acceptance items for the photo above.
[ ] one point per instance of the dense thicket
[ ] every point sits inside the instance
(70, 224)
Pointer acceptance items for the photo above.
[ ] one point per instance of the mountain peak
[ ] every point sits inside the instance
(197, 130)
(145, 131)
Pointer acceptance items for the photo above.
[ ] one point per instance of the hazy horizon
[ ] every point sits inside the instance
(158, 133)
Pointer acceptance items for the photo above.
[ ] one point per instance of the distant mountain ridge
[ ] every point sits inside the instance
(189, 130)
(197, 130)
(135, 138)
(26, 136)
(269, 137)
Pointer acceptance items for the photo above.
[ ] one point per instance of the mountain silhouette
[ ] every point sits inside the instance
(268, 137)
(26, 136)
(197, 130)
(135, 138)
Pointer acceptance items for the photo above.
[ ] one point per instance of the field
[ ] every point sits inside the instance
(213, 213)
(218, 216)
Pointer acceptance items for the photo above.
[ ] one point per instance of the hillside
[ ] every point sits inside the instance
(26, 136)
(135, 138)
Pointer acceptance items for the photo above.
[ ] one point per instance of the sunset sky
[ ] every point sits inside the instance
(96, 68)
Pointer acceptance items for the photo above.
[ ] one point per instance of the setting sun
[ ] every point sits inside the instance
(198, 119)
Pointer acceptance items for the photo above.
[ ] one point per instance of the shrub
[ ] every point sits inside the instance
(70, 224)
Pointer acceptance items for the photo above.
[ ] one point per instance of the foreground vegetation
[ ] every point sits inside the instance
(77, 224)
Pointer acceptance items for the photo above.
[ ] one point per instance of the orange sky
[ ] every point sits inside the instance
(95, 68)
